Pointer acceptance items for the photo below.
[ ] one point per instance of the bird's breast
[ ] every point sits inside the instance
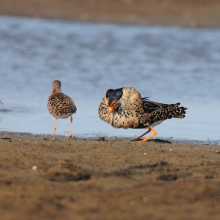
(123, 120)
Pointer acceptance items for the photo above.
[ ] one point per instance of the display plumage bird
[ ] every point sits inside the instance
(60, 106)
(125, 108)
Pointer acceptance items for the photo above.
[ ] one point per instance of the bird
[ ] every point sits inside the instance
(125, 108)
(60, 106)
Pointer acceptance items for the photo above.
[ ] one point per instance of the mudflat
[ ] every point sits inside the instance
(189, 13)
(101, 178)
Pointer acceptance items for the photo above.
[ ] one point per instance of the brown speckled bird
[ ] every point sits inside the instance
(60, 106)
(125, 108)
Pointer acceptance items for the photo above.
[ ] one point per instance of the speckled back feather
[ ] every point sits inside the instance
(60, 104)
(155, 112)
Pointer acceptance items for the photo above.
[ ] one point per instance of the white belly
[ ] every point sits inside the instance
(61, 116)
(156, 123)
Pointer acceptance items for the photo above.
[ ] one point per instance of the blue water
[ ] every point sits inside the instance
(168, 65)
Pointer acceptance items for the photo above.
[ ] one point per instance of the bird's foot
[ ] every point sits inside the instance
(53, 139)
(70, 137)
(135, 139)
(142, 141)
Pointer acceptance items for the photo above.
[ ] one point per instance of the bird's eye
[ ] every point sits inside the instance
(114, 103)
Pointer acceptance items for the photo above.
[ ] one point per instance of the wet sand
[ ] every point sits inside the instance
(189, 13)
(102, 178)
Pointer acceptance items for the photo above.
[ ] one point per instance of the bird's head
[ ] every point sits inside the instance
(56, 86)
(113, 96)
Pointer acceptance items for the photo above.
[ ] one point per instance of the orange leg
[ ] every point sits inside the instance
(138, 138)
(154, 134)
(71, 124)
(55, 128)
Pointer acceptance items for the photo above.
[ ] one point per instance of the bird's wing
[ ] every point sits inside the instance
(150, 106)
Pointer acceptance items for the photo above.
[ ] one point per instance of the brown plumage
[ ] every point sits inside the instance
(125, 108)
(60, 105)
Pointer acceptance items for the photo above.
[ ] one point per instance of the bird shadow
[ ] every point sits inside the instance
(158, 141)
(161, 141)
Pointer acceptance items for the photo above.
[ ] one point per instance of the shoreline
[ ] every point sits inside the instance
(8, 134)
(187, 13)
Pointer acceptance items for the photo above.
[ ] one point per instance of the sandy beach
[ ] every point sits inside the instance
(188, 13)
(103, 178)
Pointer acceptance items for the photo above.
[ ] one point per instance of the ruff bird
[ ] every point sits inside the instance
(125, 108)
(60, 106)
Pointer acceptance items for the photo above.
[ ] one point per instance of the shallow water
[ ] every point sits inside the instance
(168, 65)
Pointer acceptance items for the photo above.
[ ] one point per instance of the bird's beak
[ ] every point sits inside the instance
(110, 110)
